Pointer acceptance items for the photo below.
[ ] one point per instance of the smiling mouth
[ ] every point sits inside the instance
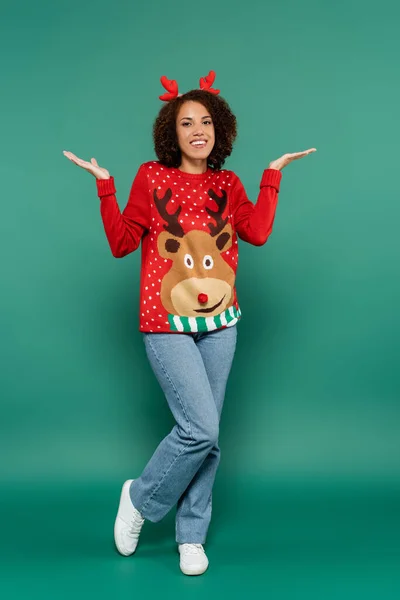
(199, 144)
(208, 310)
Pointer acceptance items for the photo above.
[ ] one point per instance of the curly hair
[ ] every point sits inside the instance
(164, 129)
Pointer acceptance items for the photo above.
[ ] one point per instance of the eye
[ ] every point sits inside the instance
(208, 262)
(187, 123)
(188, 260)
(208, 121)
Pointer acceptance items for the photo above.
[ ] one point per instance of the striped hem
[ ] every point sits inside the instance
(229, 317)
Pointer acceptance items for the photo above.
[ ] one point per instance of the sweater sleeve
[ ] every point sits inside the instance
(125, 230)
(253, 222)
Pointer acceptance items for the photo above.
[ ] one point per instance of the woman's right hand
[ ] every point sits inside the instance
(92, 166)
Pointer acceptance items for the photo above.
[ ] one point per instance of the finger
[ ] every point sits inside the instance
(80, 162)
(304, 152)
(75, 158)
(301, 153)
(71, 156)
(83, 163)
(94, 162)
(297, 155)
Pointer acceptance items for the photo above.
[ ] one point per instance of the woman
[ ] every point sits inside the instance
(188, 212)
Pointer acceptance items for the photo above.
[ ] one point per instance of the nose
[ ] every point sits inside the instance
(202, 298)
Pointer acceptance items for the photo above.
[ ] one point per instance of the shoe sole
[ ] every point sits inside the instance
(188, 571)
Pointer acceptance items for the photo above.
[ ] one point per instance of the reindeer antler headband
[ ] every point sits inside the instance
(172, 87)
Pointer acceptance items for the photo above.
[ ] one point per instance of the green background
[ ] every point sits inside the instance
(307, 496)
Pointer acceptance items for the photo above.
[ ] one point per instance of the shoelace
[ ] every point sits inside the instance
(192, 548)
(136, 524)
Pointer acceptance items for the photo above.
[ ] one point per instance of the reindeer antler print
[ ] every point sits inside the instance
(217, 214)
(173, 226)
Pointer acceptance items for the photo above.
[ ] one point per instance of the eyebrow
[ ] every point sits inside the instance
(191, 119)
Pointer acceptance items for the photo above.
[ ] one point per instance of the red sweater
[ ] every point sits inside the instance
(188, 225)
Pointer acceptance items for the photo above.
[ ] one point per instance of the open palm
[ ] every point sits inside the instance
(92, 166)
(284, 160)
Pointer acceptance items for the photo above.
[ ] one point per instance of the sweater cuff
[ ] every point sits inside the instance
(271, 177)
(105, 187)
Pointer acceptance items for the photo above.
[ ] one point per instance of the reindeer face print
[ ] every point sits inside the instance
(200, 282)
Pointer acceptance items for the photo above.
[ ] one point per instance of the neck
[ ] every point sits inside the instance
(193, 165)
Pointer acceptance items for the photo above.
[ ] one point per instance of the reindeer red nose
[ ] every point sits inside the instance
(202, 298)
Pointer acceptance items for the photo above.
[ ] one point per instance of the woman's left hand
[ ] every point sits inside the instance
(284, 160)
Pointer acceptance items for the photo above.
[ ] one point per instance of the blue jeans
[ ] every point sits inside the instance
(193, 370)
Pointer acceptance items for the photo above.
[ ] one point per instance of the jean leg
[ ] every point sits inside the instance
(179, 368)
(194, 508)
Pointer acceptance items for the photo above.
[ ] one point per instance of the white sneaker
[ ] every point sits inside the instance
(128, 523)
(193, 559)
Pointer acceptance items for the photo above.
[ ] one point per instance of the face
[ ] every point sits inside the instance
(195, 131)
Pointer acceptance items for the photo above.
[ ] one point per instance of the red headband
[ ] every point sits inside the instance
(172, 87)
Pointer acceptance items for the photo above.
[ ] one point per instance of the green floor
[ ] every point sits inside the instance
(282, 540)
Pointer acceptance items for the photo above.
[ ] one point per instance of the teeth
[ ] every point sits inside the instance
(202, 143)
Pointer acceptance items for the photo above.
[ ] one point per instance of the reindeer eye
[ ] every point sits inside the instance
(208, 262)
(188, 260)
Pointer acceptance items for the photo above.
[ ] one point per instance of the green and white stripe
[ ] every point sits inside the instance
(229, 317)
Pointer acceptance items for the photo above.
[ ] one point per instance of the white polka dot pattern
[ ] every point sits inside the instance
(189, 195)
